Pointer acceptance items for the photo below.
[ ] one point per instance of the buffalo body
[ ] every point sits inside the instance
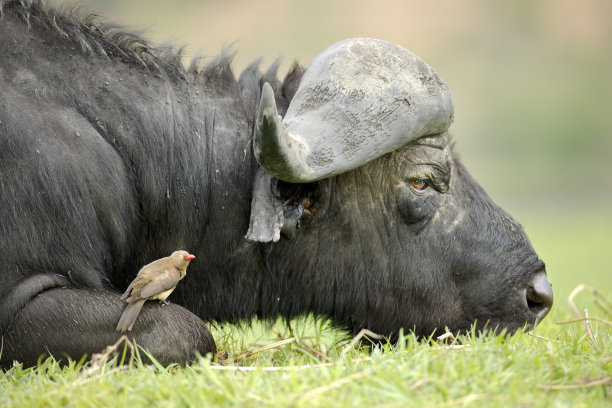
(112, 154)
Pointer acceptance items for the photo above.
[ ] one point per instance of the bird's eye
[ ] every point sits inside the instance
(181, 257)
(418, 185)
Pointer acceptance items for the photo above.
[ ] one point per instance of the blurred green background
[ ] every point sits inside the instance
(531, 81)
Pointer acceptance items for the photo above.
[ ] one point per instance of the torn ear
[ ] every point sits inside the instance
(280, 208)
(266, 209)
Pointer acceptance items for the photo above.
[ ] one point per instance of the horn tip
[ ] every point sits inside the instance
(267, 106)
(267, 91)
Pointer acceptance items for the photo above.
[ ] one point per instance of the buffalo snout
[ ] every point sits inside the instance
(539, 295)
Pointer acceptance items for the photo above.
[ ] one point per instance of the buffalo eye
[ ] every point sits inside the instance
(418, 185)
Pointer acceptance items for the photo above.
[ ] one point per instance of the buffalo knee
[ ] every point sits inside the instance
(67, 322)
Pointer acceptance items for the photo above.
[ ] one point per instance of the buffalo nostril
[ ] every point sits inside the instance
(539, 295)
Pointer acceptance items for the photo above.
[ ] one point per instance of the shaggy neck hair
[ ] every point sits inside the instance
(95, 37)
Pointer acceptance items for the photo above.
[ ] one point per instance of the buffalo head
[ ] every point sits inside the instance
(394, 231)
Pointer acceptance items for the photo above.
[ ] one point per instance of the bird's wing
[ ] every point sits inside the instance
(160, 283)
(146, 274)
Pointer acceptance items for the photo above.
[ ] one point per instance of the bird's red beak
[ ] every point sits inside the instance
(189, 257)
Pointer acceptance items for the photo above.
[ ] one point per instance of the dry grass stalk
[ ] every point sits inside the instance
(587, 324)
(443, 344)
(586, 383)
(603, 305)
(544, 338)
(269, 368)
(283, 368)
(456, 346)
(359, 336)
(441, 339)
(317, 353)
(583, 319)
(264, 348)
(598, 299)
(99, 360)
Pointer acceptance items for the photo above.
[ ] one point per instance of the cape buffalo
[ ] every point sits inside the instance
(354, 205)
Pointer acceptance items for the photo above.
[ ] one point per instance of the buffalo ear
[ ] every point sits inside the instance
(280, 208)
(266, 209)
(303, 204)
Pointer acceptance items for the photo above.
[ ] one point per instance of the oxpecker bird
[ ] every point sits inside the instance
(154, 281)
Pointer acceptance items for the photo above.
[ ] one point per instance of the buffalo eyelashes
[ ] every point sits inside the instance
(418, 185)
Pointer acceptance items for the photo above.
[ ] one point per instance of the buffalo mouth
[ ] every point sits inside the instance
(535, 300)
(522, 308)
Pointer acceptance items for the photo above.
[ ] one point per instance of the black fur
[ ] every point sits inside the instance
(113, 155)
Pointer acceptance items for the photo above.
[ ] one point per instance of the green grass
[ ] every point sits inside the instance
(518, 370)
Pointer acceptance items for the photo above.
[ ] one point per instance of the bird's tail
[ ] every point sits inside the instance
(128, 318)
(127, 291)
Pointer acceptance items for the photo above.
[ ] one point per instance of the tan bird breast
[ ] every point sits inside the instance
(163, 295)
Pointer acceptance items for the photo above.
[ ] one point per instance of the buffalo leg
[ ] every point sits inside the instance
(69, 322)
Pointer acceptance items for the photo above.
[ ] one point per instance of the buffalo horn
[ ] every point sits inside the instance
(275, 150)
(358, 100)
